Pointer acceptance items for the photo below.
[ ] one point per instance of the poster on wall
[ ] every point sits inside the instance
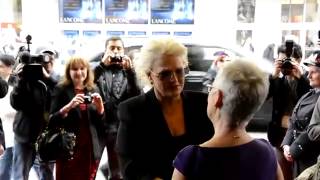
(71, 42)
(80, 11)
(244, 39)
(172, 11)
(246, 11)
(126, 11)
(311, 41)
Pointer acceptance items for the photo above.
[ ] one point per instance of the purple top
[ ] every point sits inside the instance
(255, 160)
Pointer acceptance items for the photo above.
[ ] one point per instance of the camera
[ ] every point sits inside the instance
(286, 62)
(32, 69)
(87, 99)
(116, 59)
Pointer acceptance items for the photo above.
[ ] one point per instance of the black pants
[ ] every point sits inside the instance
(111, 169)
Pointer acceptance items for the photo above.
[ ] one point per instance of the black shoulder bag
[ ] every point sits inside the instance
(56, 143)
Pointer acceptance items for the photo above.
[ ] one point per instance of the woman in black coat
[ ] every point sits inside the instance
(78, 108)
(155, 126)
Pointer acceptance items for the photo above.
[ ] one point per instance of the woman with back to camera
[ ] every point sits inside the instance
(156, 125)
(84, 118)
(238, 91)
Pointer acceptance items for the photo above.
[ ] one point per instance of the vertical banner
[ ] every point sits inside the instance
(246, 9)
(172, 11)
(80, 11)
(126, 11)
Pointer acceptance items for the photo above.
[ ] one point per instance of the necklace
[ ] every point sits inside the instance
(236, 136)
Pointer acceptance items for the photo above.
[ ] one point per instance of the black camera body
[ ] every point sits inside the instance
(286, 62)
(116, 59)
(32, 69)
(87, 99)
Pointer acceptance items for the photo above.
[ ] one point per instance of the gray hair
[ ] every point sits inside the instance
(153, 51)
(245, 88)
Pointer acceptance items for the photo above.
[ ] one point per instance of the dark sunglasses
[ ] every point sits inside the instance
(166, 75)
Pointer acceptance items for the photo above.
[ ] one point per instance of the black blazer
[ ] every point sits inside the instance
(145, 145)
(62, 95)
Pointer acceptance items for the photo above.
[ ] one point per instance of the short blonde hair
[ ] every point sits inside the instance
(153, 51)
(245, 88)
(72, 62)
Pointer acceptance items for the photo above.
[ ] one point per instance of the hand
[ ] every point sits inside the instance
(106, 58)
(97, 101)
(75, 101)
(277, 68)
(1, 149)
(18, 69)
(126, 62)
(296, 69)
(286, 153)
(45, 73)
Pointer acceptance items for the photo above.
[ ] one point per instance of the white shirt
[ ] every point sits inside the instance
(7, 114)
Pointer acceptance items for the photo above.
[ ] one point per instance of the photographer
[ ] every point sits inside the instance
(288, 83)
(31, 98)
(116, 81)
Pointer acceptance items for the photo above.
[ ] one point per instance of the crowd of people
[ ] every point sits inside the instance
(164, 132)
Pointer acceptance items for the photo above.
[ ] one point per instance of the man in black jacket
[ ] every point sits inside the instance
(31, 99)
(116, 81)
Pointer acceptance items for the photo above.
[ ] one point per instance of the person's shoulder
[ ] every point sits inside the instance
(263, 144)
(133, 101)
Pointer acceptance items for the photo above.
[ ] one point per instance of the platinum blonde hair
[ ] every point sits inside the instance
(153, 51)
(245, 88)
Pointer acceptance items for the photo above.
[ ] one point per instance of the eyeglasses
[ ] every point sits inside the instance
(167, 75)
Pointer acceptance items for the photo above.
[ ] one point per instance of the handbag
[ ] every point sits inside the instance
(56, 143)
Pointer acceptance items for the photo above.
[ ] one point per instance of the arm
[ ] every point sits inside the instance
(314, 126)
(177, 175)
(279, 173)
(303, 86)
(133, 87)
(3, 88)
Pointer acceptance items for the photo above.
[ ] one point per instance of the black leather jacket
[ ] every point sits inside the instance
(129, 88)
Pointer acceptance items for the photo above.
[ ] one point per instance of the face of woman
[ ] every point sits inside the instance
(78, 74)
(314, 76)
(167, 76)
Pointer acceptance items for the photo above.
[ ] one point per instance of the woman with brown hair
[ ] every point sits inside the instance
(77, 107)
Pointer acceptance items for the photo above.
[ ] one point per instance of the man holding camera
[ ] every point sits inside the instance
(117, 82)
(31, 99)
(288, 83)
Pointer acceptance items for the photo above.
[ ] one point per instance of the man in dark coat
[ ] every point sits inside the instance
(116, 81)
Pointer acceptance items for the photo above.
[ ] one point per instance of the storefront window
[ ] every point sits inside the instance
(292, 11)
(312, 7)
